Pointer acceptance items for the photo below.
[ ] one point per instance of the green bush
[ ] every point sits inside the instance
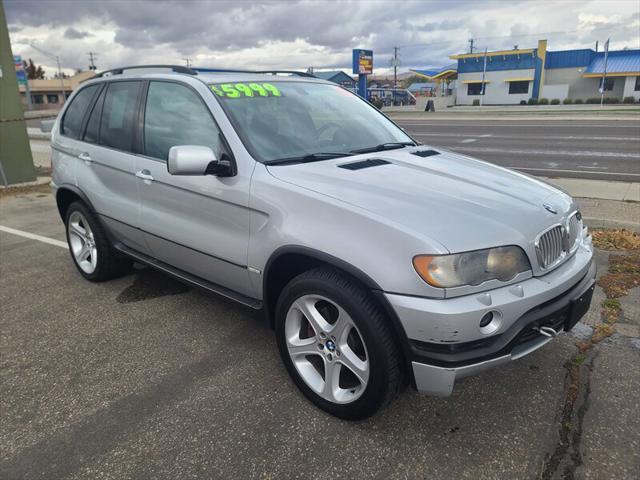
(555, 101)
(628, 100)
(567, 101)
(476, 102)
(611, 100)
(543, 101)
(593, 100)
(533, 101)
(578, 101)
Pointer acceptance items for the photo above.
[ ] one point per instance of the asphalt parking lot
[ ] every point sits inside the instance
(144, 378)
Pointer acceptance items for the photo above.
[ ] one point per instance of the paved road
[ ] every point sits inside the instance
(142, 377)
(605, 150)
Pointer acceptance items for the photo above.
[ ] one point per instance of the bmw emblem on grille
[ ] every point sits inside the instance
(549, 208)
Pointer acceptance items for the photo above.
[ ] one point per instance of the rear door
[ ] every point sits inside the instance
(200, 223)
(106, 167)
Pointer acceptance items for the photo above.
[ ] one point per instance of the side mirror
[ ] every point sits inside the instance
(191, 160)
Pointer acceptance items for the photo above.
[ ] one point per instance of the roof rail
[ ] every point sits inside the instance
(174, 68)
(265, 72)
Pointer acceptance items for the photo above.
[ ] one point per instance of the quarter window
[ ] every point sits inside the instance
(637, 87)
(475, 88)
(119, 115)
(519, 87)
(93, 125)
(175, 115)
(73, 117)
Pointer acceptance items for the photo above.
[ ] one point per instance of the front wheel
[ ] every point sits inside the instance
(337, 344)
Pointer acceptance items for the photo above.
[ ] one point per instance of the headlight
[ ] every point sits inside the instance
(471, 268)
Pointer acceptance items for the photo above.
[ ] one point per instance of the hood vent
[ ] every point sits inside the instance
(425, 153)
(373, 162)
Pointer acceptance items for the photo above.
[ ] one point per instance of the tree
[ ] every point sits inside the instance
(33, 72)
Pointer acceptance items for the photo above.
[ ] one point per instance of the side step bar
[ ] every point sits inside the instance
(188, 278)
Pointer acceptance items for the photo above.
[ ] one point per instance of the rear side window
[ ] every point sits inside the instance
(73, 117)
(119, 115)
(175, 115)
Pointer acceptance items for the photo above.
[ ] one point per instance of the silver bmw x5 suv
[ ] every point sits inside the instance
(379, 262)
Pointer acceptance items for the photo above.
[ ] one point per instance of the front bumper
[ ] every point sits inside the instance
(446, 342)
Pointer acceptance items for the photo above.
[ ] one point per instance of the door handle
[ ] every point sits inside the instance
(85, 157)
(145, 175)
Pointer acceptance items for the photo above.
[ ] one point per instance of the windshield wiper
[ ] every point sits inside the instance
(311, 157)
(384, 146)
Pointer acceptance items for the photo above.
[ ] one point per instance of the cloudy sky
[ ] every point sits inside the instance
(295, 34)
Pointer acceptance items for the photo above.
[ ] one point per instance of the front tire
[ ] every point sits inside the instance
(90, 248)
(337, 344)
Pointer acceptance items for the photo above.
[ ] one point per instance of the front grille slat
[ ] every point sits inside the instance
(551, 246)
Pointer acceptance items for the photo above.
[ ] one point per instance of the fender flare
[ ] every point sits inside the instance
(76, 191)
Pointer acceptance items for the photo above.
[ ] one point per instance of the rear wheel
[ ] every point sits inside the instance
(337, 344)
(90, 248)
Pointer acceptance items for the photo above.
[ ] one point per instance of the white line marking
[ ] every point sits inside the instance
(33, 236)
(593, 167)
(468, 140)
(567, 153)
(486, 135)
(572, 171)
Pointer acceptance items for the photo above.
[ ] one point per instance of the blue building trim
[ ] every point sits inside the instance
(537, 77)
(522, 61)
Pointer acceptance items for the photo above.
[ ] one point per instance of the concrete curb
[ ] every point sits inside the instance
(605, 223)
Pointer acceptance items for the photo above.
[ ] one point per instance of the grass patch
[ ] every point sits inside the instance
(617, 239)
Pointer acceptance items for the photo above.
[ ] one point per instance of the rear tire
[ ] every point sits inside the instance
(91, 251)
(329, 327)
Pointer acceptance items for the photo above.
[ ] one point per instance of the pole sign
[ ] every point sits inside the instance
(21, 75)
(363, 62)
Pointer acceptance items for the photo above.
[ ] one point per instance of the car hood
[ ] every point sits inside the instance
(462, 203)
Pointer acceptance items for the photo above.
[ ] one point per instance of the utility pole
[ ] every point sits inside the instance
(471, 45)
(395, 67)
(484, 73)
(188, 61)
(57, 59)
(92, 57)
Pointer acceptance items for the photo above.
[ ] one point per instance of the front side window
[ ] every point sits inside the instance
(175, 115)
(73, 117)
(283, 120)
(475, 88)
(519, 87)
(119, 115)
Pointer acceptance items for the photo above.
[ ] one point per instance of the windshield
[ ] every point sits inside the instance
(305, 121)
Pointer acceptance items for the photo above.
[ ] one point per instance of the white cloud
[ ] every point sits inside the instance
(300, 33)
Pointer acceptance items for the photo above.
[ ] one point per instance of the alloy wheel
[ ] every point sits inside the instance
(327, 349)
(82, 244)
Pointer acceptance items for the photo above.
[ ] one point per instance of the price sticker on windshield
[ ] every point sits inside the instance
(245, 90)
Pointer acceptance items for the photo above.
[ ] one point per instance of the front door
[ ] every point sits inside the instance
(200, 223)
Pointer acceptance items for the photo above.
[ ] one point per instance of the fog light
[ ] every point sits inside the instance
(486, 319)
